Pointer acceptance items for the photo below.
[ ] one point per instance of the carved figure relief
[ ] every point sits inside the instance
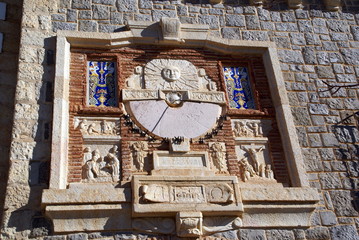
(101, 168)
(139, 154)
(98, 127)
(247, 129)
(155, 193)
(219, 156)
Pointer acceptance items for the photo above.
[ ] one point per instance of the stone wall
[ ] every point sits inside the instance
(314, 45)
(10, 27)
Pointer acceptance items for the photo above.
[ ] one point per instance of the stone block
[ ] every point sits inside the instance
(81, 4)
(279, 234)
(235, 20)
(63, 26)
(126, 5)
(318, 109)
(85, 15)
(77, 236)
(338, 26)
(330, 181)
(314, 140)
(342, 202)
(158, 14)
(328, 218)
(255, 35)
(329, 140)
(248, 234)
(181, 10)
(341, 232)
(324, 71)
(318, 233)
(286, 27)
(88, 26)
(22, 150)
(252, 22)
(309, 55)
(289, 56)
(100, 12)
(353, 168)
(231, 33)
(301, 116)
(312, 160)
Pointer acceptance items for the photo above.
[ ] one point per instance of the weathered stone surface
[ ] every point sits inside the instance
(231, 33)
(324, 72)
(318, 233)
(328, 218)
(81, 4)
(330, 180)
(100, 12)
(255, 35)
(341, 232)
(247, 234)
(279, 234)
(301, 116)
(312, 160)
(88, 26)
(318, 109)
(126, 5)
(350, 56)
(342, 202)
(289, 56)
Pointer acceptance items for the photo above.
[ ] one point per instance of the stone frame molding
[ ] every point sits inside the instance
(60, 199)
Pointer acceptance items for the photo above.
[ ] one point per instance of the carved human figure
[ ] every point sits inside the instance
(105, 127)
(256, 129)
(242, 130)
(253, 152)
(92, 129)
(247, 169)
(138, 155)
(87, 154)
(114, 164)
(268, 172)
(91, 166)
(83, 125)
(219, 157)
(262, 170)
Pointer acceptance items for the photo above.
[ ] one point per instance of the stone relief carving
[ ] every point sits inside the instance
(219, 156)
(97, 127)
(189, 224)
(168, 74)
(139, 155)
(220, 193)
(155, 193)
(213, 193)
(171, 29)
(248, 128)
(220, 224)
(155, 225)
(101, 168)
(135, 81)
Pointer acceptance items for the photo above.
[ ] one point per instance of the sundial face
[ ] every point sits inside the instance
(173, 113)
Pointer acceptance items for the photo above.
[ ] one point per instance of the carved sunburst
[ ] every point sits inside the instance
(187, 78)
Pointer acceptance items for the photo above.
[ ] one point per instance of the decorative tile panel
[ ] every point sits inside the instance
(238, 88)
(102, 83)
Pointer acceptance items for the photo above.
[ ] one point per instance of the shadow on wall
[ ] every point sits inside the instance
(31, 216)
(347, 133)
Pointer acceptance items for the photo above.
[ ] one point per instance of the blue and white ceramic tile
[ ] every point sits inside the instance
(102, 83)
(238, 88)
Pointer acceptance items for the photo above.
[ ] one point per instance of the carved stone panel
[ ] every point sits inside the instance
(218, 156)
(163, 194)
(181, 163)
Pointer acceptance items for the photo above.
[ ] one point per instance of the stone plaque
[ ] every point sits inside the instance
(188, 194)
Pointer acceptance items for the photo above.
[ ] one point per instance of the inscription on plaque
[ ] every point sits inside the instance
(178, 161)
(188, 194)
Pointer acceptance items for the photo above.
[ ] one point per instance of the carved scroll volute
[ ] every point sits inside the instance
(171, 29)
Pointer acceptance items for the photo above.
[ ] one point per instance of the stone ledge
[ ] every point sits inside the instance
(86, 193)
(279, 194)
